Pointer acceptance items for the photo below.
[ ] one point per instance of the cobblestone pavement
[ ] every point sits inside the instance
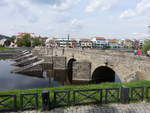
(111, 108)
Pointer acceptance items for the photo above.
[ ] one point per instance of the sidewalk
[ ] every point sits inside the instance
(110, 108)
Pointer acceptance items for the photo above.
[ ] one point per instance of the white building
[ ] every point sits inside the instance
(2, 42)
(99, 42)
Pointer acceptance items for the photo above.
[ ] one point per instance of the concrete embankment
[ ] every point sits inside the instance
(9, 53)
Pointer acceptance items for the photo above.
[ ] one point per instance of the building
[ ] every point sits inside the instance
(85, 42)
(141, 43)
(54, 42)
(126, 43)
(112, 43)
(99, 42)
(2, 41)
(21, 34)
(72, 42)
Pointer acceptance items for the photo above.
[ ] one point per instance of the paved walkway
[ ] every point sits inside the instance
(112, 108)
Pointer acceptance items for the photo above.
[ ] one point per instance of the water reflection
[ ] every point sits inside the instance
(18, 81)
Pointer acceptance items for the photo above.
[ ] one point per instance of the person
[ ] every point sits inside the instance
(139, 52)
(135, 52)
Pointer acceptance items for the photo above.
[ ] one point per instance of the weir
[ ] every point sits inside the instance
(20, 69)
(23, 57)
(26, 61)
(21, 54)
(9, 53)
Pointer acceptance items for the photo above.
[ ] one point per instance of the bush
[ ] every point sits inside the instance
(24, 41)
(146, 47)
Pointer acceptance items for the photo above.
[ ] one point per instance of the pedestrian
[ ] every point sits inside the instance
(135, 52)
(139, 52)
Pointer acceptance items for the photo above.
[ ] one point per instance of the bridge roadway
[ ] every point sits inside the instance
(124, 64)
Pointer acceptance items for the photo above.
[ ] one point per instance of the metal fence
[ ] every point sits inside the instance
(29, 101)
(47, 100)
(87, 96)
(8, 103)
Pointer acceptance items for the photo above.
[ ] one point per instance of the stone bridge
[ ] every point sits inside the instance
(91, 64)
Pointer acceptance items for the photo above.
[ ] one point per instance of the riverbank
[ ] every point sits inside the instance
(8, 52)
(143, 83)
(3, 48)
(64, 89)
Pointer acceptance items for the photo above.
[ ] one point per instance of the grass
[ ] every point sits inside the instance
(3, 48)
(73, 87)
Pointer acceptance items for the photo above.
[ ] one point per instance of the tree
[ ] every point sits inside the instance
(12, 38)
(36, 42)
(24, 41)
(146, 46)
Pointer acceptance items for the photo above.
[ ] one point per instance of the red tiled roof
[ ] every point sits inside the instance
(72, 39)
(112, 40)
(43, 38)
(21, 34)
(127, 39)
(85, 39)
(55, 38)
(100, 38)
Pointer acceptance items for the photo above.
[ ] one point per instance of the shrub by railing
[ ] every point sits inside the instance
(49, 100)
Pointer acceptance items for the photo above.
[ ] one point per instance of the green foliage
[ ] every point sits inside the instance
(28, 41)
(24, 41)
(12, 39)
(1, 46)
(36, 42)
(146, 47)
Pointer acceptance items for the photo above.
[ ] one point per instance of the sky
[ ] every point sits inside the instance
(79, 18)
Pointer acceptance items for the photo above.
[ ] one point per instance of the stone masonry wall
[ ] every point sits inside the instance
(125, 64)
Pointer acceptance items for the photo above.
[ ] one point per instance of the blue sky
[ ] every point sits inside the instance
(79, 18)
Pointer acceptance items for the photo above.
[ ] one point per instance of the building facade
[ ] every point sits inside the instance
(85, 42)
(99, 42)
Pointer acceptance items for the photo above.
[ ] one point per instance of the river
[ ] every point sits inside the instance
(10, 81)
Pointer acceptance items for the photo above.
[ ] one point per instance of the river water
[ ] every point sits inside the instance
(10, 81)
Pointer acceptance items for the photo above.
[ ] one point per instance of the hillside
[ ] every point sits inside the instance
(3, 36)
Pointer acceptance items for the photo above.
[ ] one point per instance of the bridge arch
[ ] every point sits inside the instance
(70, 68)
(103, 74)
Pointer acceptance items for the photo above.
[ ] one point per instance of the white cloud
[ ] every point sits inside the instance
(141, 35)
(141, 7)
(64, 5)
(76, 25)
(75, 21)
(100, 4)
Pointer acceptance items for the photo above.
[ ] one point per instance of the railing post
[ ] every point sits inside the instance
(15, 103)
(124, 95)
(45, 100)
